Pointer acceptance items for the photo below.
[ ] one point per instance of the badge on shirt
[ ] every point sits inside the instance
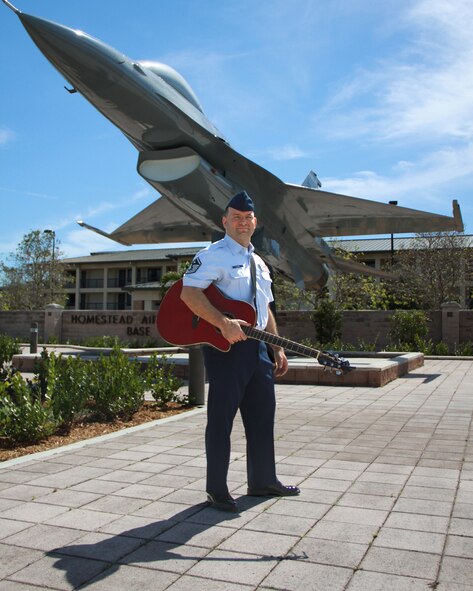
(263, 266)
(196, 263)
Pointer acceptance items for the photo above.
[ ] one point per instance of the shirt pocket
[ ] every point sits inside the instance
(239, 285)
(264, 279)
(265, 276)
(264, 287)
(238, 274)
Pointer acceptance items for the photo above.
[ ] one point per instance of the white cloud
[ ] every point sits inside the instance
(424, 92)
(82, 242)
(281, 153)
(29, 193)
(143, 193)
(426, 179)
(6, 136)
(106, 206)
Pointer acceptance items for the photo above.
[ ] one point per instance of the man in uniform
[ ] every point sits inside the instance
(242, 378)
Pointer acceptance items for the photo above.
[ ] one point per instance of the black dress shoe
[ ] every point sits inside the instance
(274, 490)
(222, 502)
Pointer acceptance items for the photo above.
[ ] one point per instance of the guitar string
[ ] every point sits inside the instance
(281, 341)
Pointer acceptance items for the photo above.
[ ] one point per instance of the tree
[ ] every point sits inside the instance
(352, 291)
(289, 297)
(435, 271)
(328, 321)
(36, 276)
(170, 277)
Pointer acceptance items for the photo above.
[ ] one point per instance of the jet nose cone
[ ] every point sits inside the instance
(79, 57)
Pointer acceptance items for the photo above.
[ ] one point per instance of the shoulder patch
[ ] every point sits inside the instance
(265, 267)
(262, 264)
(196, 263)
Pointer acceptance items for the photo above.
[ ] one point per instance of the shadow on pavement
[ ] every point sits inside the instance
(139, 545)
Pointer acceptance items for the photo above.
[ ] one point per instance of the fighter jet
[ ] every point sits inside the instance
(196, 171)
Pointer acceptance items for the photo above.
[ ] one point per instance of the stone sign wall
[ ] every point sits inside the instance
(128, 325)
(365, 326)
(358, 326)
(17, 323)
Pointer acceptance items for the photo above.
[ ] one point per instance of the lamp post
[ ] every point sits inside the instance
(392, 238)
(51, 233)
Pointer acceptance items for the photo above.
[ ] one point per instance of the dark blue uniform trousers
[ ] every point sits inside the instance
(240, 379)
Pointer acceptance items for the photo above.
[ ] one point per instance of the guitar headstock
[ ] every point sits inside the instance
(333, 362)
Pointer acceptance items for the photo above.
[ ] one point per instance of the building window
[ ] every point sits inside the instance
(154, 275)
(71, 301)
(91, 279)
(148, 275)
(91, 301)
(119, 277)
(119, 301)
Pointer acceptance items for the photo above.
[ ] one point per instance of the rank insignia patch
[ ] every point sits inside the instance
(196, 263)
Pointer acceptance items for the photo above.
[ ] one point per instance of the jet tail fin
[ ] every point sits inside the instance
(457, 217)
(311, 181)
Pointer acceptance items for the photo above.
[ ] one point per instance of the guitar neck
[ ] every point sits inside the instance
(274, 339)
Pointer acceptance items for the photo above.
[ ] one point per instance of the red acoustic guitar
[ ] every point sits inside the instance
(179, 326)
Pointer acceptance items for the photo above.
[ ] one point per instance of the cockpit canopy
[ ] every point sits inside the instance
(174, 79)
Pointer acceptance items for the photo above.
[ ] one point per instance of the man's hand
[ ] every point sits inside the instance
(231, 330)
(281, 364)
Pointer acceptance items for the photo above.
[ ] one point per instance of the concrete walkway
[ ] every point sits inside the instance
(387, 500)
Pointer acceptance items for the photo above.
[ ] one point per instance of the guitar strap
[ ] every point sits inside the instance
(253, 290)
(253, 281)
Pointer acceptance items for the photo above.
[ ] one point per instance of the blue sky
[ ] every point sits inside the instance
(376, 97)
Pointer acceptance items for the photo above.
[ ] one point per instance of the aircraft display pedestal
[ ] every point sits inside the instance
(370, 369)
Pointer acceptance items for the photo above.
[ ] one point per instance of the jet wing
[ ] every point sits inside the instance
(161, 221)
(330, 214)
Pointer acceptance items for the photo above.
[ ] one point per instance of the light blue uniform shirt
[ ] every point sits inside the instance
(227, 264)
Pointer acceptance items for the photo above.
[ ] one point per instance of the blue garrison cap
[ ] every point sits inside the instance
(242, 202)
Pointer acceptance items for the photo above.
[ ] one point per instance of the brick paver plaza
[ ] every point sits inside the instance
(386, 504)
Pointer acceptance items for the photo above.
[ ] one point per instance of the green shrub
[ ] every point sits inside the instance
(41, 371)
(442, 349)
(105, 341)
(117, 385)
(24, 419)
(148, 343)
(363, 345)
(327, 319)
(408, 328)
(68, 388)
(425, 346)
(464, 349)
(162, 384)
(8, 347)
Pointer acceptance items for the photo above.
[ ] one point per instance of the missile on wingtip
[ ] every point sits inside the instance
(10, 5)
